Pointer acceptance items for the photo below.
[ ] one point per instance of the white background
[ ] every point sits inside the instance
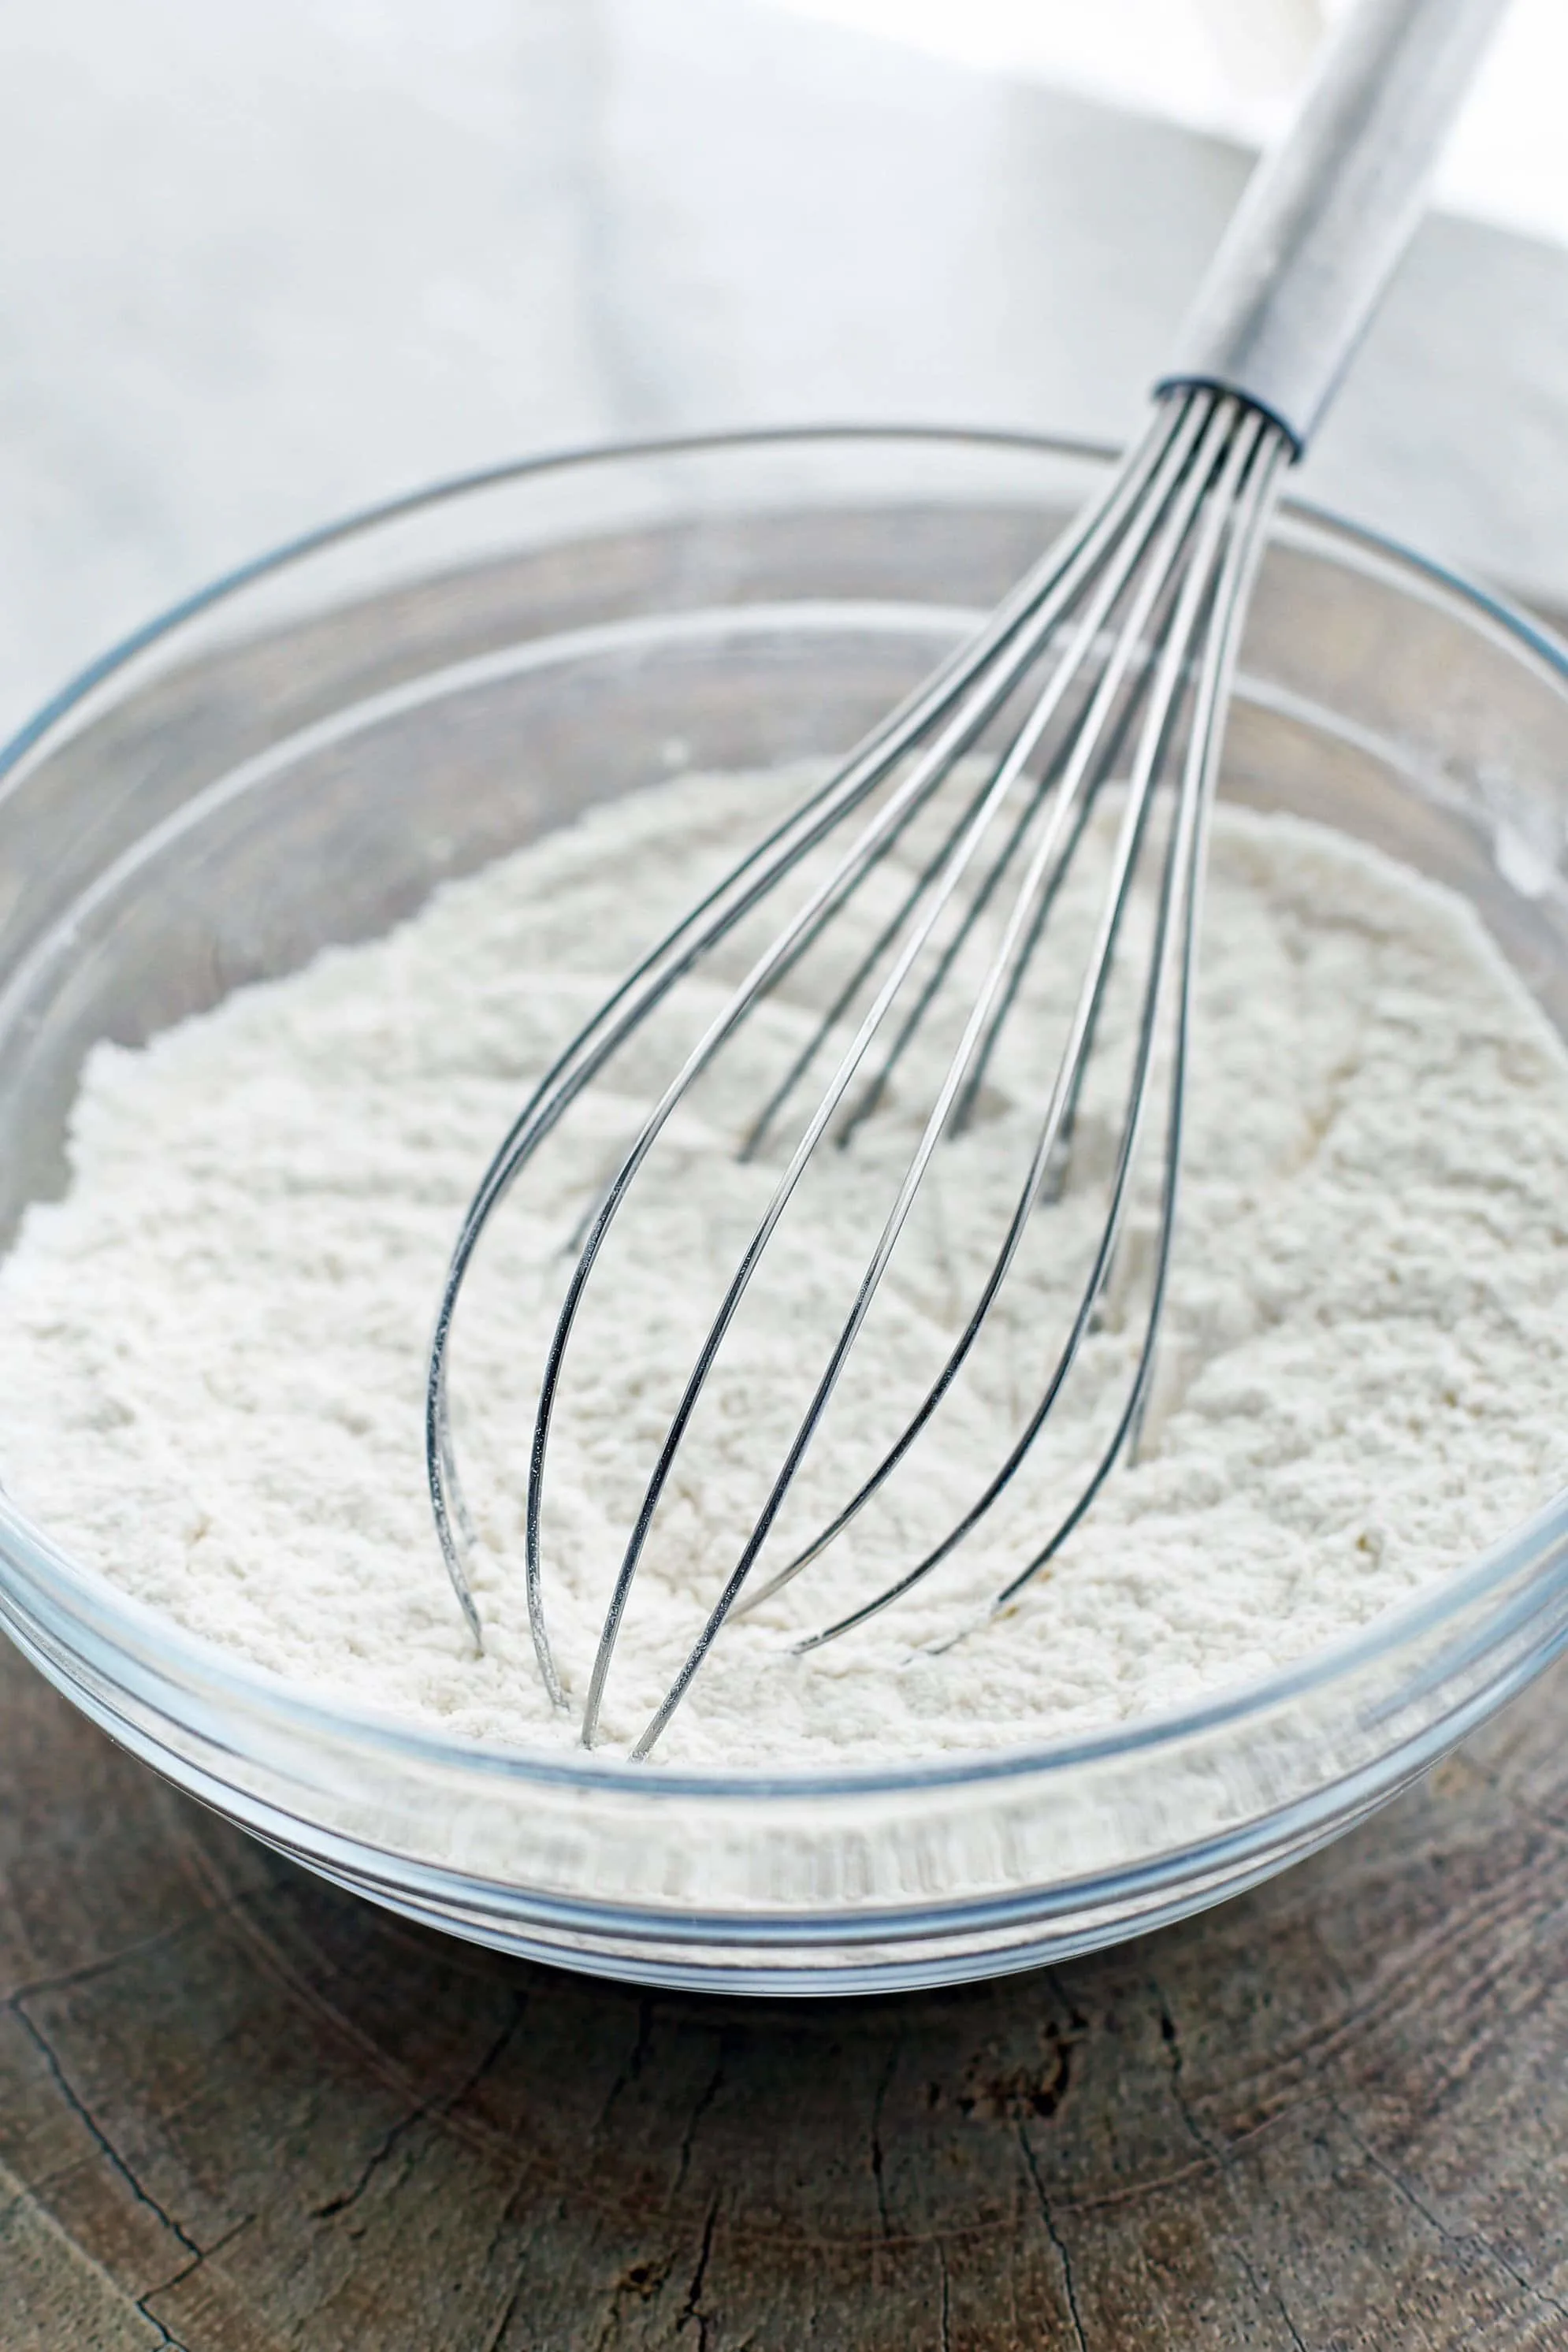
(1233, 65)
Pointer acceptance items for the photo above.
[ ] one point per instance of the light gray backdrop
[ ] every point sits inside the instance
(261, 265)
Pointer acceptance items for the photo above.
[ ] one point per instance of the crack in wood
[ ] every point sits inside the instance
(691, 2308)
(694, 2123)
(1460, 2240)
(1272, 2294)
(166, 2335)
(1054, 2234)
(197, 2261)
(79, 2107)
(509, 2311)
(435, 2107)
(1171, 2036)
(883, 2084)
(636, 2059)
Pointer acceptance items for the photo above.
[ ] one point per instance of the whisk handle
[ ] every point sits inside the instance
(1327, 213)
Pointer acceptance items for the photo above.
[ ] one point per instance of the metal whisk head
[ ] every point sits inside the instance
(919, 884)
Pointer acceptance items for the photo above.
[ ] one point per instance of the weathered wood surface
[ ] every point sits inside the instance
(239, 2111)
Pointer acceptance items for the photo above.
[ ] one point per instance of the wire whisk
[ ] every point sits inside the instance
(927, 874)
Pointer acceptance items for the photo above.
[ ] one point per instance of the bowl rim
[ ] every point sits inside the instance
(1538, 1543)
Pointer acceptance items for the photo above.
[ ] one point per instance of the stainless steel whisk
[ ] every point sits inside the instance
(1111, 662)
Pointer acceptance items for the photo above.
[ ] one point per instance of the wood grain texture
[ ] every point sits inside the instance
(240, 2112)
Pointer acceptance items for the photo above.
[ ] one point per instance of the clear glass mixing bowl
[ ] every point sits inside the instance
(297, 755)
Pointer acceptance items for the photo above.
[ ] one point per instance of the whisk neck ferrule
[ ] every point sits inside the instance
(1328, 214)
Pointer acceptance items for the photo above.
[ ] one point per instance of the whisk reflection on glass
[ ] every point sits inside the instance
(910, 898)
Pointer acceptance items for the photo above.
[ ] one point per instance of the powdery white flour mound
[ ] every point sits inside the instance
(211, 1349)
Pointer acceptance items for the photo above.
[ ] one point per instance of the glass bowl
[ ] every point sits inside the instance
(297, 754)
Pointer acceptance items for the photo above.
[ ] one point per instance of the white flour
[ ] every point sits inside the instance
(212, 1351)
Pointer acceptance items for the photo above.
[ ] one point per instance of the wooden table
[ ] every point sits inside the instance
(238, 2110)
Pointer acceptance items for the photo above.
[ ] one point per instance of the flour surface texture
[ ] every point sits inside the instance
(212, 1348)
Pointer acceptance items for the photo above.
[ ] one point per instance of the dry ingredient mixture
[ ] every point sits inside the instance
(212, 1349)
